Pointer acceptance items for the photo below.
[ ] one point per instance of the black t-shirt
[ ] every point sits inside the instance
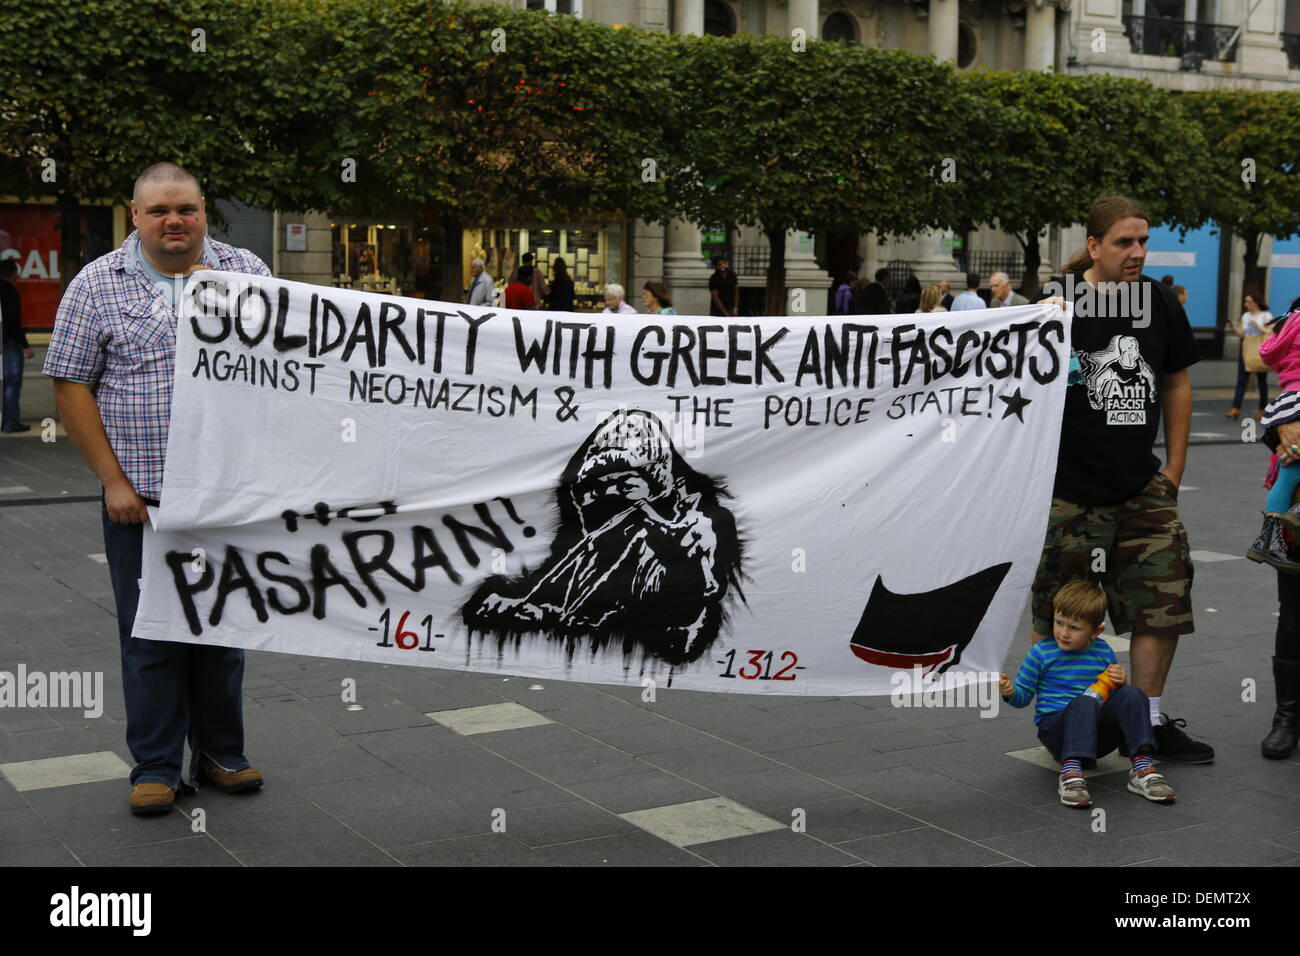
(724, 283)
(1112, 416)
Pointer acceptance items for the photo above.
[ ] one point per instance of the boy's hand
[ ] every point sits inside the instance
(1005, 686)
(1116, 673)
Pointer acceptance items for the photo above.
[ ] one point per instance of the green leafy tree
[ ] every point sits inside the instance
(1053, 144)
(104, 88)
(483, 112)
(831, 137)
(1253, 186)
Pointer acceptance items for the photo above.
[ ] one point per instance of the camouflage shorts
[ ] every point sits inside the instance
(1139, 552)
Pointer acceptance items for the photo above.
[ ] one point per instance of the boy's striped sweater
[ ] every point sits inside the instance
(1056, 677)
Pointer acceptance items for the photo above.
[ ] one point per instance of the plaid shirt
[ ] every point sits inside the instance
(116, 332)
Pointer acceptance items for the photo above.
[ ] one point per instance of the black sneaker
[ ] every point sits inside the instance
(1173, 744)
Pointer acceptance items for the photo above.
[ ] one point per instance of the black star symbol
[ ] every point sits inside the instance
(1015, 404)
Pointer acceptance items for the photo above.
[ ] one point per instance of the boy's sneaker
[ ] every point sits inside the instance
(1150, 784)
(1073, 792)
(1173, 744)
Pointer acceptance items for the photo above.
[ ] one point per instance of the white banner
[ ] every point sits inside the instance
(798, 505)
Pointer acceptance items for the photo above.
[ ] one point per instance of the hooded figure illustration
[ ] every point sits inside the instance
(644, 555)
(1119, 363)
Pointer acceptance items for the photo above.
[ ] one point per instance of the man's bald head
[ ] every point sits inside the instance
(169, 216)
(160, 173)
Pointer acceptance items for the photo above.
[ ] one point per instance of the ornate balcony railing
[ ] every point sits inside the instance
(1291, 43)
(1158, 36)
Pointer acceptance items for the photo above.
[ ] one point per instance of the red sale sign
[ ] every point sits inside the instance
(30, 236)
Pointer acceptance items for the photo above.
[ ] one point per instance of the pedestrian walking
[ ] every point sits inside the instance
(1001, 294)
(519, 294)
(480, 287)
(1254, 326)
(872, 298)
(538, 281)
(615, 300)
(945, 294)
(844, 294)
(724, 289)
(656, 299)
(1112, 504)
(16, 348)
(970, 299)
(560, 297)
(930, 300)
(910, 299)
(112, 356)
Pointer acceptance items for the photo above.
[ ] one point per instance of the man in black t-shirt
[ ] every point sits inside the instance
(1114, 509)
(724, 290)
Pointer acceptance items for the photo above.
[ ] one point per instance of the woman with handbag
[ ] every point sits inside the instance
(1255, 325)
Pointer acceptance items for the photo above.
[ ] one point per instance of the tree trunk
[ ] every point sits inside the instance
(451, 272)
(70, 238)
(774, 300)
(1250, 281)
(1033, 259)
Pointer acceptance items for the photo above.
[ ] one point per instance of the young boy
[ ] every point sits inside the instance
(1076, 721)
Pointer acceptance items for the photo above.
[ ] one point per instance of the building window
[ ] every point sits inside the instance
(719, 21)
(840, 26)
(378, 255)
(573, 7)
(965, 45)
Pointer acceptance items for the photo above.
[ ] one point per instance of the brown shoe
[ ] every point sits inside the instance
(151, 799)
(1259, 413)
(231, 781)
(1233, 413)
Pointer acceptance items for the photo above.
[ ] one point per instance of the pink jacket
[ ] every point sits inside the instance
(1281, 353)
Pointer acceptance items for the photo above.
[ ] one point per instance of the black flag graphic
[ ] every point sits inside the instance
(930, 629)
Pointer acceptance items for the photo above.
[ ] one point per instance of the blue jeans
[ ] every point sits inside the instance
(172, 690)
(1243, 377)
(1087, 729)
(13, 375)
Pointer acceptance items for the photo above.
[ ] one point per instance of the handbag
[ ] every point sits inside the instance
(1250, 353)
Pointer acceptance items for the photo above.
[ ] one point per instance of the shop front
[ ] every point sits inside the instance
(594, 254)
(398, 255)
(30, 235)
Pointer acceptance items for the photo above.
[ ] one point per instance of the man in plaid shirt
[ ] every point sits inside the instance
(112, 357)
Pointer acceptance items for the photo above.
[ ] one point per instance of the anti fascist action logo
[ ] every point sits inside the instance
(1119, 381)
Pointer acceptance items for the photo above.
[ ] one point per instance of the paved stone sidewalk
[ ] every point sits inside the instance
(437, 761)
